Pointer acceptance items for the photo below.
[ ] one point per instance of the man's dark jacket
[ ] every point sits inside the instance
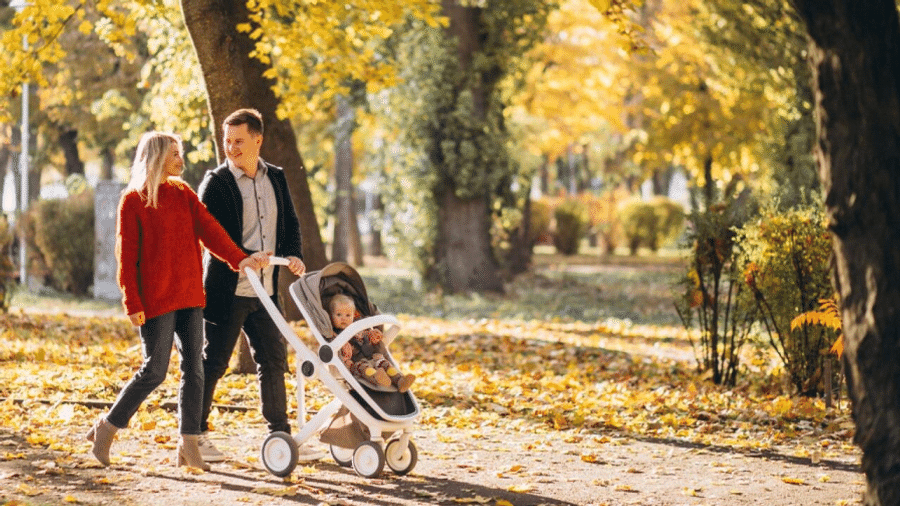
(220, 193)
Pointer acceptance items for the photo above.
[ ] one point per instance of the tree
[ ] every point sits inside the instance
(235, 79)
(577, 67)
(767, 38)
(855, 58)
(463, 256)
(346, 242)
(451, 159)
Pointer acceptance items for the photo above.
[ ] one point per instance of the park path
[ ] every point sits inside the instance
(480, 465)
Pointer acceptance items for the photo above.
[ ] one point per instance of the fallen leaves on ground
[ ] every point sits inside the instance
(578, 378)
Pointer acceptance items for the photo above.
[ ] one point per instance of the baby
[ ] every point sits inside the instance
(359, 354)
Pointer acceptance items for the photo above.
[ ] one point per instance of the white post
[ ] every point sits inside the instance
(19, 5)
(23, 200)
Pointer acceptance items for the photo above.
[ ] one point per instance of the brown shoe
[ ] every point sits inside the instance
(189, 452)
(101, 434)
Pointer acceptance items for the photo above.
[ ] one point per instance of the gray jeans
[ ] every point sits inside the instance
(157, 336)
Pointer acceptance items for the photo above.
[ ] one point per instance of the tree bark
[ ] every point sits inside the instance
(376, 221)
(521, 250)
(234, 80)
(68, 141)
(106, 168)
(356, 248)
(343, 179)
(855, 57)
(5, 157)
(545, 176)
(465, 260)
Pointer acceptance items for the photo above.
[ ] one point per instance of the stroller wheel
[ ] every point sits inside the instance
(368, 459)
(280, 454)
(343, 456)
(401, 460)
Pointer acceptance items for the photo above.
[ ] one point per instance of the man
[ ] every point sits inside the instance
(250, 199)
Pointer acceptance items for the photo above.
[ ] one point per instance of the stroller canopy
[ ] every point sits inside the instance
(316, 289)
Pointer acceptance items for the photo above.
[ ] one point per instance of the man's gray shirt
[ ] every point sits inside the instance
(260, 222)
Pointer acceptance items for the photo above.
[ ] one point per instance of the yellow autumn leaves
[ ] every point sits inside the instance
(581, 379)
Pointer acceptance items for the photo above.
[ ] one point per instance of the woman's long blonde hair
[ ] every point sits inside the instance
(149, 164)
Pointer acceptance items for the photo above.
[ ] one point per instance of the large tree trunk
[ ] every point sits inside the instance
(464, 258)
(5, 157)
(235, 80)
(68, 141)
(106, 167)
(521, 250)
(356, 247)
(343, 179)
(855, 56)
(376, 221)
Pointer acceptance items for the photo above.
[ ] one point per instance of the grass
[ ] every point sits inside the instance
(50, 301)
(579, 288)
(587, 288)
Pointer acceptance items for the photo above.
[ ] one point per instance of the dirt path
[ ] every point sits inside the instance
(477, 466)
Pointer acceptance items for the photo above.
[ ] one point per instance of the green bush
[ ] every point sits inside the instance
(670, 221)
(572, 223)
(651, 224)
(605, 226)
(63, 232)
(709, 296)
(6, 266)
(785, 258)
(638, 224)
(540, 221)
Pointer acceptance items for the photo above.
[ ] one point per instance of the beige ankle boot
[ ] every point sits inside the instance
(101, 434)
(189, 452)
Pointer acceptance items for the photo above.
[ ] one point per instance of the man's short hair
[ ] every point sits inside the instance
(250, 117)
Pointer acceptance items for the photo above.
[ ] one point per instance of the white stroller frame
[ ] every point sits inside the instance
(280, 451)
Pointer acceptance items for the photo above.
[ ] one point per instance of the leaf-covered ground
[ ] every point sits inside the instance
(576, 387)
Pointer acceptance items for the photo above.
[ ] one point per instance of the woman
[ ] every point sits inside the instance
(161, 224)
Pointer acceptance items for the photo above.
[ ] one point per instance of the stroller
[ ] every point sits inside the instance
(368, 426)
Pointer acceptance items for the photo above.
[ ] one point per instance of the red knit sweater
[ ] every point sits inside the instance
(160, 268)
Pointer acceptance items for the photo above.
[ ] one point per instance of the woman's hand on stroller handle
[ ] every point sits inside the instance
(293, 263)
(254, 262)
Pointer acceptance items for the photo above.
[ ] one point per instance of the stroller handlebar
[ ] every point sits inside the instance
(278, 260)
(272, 261)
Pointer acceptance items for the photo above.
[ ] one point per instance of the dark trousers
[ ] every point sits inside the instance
(268, 351)
(157, 336)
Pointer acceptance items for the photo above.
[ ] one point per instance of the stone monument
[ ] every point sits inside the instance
(106, 203)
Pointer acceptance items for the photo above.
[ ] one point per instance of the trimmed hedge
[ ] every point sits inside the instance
(63, 232)
(572, 222)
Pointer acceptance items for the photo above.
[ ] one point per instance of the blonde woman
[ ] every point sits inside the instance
(161, 224)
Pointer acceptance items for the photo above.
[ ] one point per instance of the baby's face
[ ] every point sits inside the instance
(341, 316)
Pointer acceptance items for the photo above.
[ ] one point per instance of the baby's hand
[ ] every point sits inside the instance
(346, 351)
(375, 336)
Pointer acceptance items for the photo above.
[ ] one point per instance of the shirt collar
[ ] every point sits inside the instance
(237, 173)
